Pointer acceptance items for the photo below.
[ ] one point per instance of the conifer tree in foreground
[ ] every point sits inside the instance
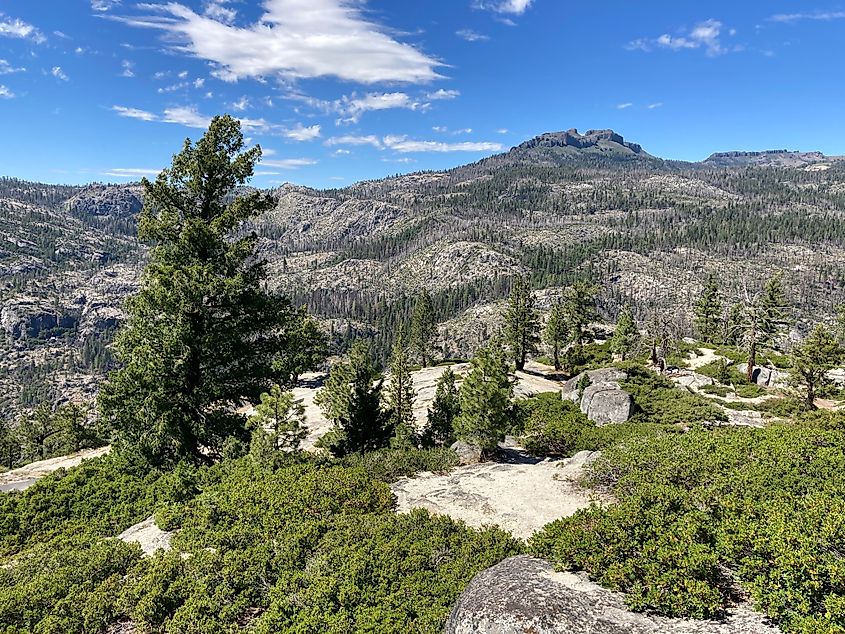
(401, 395)
(626, 337)
(812, 360)
(579, 305)
(521, 322)
(202, 334)
(708, 312)
(440, 427)
(486, 399)
(423, 328)
(765, 316)
(351, 399)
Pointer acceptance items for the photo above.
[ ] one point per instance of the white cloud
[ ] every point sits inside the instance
(443, 94)
(302, 133)
(341, 152)
(134, 113)
(290, 164)
(704, 35)
(444, 130)
(241, 104)
(471, 36)
(104, 5)
(294, 39)
(186, 116)
(7, 69)
(516, 7)
(354, 107)
(654, 106)
(624, 106)
(199, 82)
(502, 131)
(58, 73)
(354, 140)
(128, 68)
(16, 28)
(820, 16)
(130, 172)
(5, 93)
(217, 10)
(404, 145)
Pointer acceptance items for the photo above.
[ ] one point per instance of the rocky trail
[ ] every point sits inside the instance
(24, 477)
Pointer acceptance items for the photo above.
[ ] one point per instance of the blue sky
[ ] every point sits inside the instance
(338, 91)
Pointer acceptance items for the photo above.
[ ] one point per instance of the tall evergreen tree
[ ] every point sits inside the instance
(556, 334)
(708, 312)
(401, 394)
(202, 334)
(765, 316)
(626, 336)
(424, 328)
(579, 305)
(440, 426)
(812, 360)
(352, 400)
(486, 399)
(521, 322)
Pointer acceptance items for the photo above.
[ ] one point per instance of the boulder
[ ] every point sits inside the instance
(524, 594)
(765, 377)
(607, 403)
(603, 400)
(468, 454)
(149, 536)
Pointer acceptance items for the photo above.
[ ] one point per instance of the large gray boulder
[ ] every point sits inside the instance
(524, 594)
(603, 400)
(468, 454)
(765, 377)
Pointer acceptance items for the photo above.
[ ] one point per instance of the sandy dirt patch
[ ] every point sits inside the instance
(22, 477)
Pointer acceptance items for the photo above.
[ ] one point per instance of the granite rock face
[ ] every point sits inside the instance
(524, 594)
(603, 400)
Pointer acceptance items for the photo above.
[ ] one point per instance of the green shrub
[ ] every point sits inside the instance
(661, 402)
(765, 504)
(389, 465)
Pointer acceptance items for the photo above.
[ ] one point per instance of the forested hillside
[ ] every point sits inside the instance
(556, 208)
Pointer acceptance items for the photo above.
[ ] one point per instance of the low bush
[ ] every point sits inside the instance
(389, 465)
(698, 511)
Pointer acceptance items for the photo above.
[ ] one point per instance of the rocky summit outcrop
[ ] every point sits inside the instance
(30, 317)
(572, 138)
(107, 200)
(524, 594)
(767, 158)
(602, 399)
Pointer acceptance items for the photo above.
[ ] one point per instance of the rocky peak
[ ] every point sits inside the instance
(572, 138)
(107, 200)
(779, 158)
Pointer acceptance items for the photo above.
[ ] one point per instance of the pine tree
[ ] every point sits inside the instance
(486, 399)
(202, 334)
(521, 322)
(351, 399)
(440, 426)
(423, 328)
(765, 316)
(278, 424)
(732, 326)
(811, 361)
(708, 312)
(579, 305)
(401, 395)
(37, 432)
(626, 336)
(556, 334)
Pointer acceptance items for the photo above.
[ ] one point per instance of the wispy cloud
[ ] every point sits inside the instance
(655, 105)
(59, 74)
(444, 130)
(471, 36)
(404, 145)
(188, 116)
(515, 7)
(130, 172)
(353, 107)
(350, 139)
(290, 164)
(217, 10)
(706, 36)
(104, 5)
(17, 28)
(819, 16)
(5, 93)
(7, 69)
(624, 106)
(128, 68)
(441, 94)
(294, 39)
(135, 113)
